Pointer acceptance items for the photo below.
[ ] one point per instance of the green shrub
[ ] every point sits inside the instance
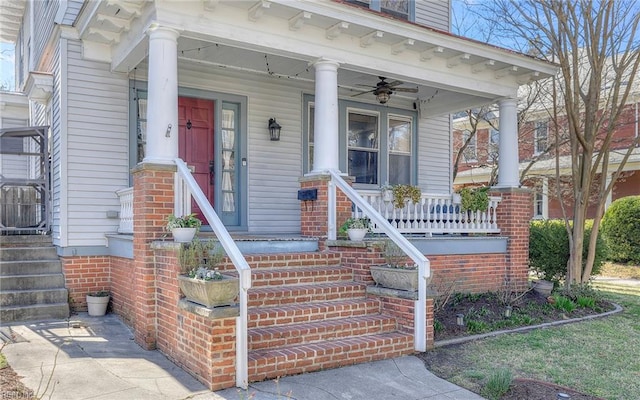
(586, 302)
(563, 303)
(621, 230)
(549, 249)
(498, 384)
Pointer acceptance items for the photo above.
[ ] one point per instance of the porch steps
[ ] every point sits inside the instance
(306, 314)
(32, 285)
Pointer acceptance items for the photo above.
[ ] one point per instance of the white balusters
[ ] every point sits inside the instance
(126, 210)
(434, 213)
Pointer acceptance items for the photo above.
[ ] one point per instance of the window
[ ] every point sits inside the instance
(363, 147)
(311, 116)
(397, 8)
(470, 153)
(377, 143)
(400, 137)
(538, 203)
(541, 134)
(403, 9)
(494, 143)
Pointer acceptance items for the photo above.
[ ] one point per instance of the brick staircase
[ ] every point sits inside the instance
(306, 314)
(32, 285)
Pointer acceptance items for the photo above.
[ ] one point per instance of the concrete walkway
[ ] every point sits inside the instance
(96, 358)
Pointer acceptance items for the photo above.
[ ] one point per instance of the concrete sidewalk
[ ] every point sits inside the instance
(96, 358)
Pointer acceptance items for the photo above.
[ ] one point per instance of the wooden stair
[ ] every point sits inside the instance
(307, 314)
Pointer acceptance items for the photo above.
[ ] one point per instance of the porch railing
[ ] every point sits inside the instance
(434, 213)
(185, 187)
(383, 225)
(126, 210)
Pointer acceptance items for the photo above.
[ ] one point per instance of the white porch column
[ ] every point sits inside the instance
(325, 140)
(508, 175)
(162, 104)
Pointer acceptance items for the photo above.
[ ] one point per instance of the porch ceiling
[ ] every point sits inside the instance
(281, 38)
(11, 12)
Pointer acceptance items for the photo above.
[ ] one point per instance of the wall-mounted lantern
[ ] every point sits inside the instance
(274, 129)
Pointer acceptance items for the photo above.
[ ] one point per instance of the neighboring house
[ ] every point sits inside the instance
(535, 148)
(358, 88)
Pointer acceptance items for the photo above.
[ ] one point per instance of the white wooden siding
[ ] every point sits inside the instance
(433, 13)
(58, 100)
(434, 155)
(71, 12)
(97, 156)
(273, 167)
(45, 12)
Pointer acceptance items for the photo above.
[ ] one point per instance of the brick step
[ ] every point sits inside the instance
(37, 312)
(300, 275)
(30, 297)
(282, 295)
(30, 267)
(28, 253)
(287, 260)
(289, 335)
(310, 312)
(31, 281)
(268, 364)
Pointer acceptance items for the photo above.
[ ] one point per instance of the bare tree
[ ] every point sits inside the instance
(596, 45)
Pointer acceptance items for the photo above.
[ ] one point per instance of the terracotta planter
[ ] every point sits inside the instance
(395, 278)
(183, 235)
(213, 293)
(97, 305)
(357, 235)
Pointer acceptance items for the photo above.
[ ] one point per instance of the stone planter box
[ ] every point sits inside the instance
(395, 278)
(213, 293)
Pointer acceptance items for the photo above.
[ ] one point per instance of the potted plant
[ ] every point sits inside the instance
(183, 228)
(200, 280)
(386, 192)
(403, 193)
(395, 273)
(97, 303)
(356, 228)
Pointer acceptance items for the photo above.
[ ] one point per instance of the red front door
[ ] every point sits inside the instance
(195, 147)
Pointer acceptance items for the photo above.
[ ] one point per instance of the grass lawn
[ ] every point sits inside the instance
(599, 357)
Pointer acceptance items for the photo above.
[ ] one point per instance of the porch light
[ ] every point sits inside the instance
(274, 129)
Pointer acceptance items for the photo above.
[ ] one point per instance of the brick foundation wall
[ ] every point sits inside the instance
(84, 274)
(468, 273)
(123, 292)
(202, 346)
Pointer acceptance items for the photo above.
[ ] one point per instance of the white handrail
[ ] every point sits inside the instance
(238, 260)
(424, 269)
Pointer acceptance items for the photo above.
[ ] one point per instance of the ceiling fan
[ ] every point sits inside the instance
(383, 89)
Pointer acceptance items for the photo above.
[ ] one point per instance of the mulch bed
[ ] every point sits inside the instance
(11, 387)
(487, 310)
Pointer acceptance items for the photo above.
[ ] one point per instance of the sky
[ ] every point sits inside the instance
(7, 72)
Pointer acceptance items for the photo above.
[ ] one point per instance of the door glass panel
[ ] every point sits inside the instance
(141, 134)
(228, 185)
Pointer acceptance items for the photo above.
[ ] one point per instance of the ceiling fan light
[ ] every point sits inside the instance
(382, 96)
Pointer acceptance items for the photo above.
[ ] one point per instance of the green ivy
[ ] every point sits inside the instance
(474, 199)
